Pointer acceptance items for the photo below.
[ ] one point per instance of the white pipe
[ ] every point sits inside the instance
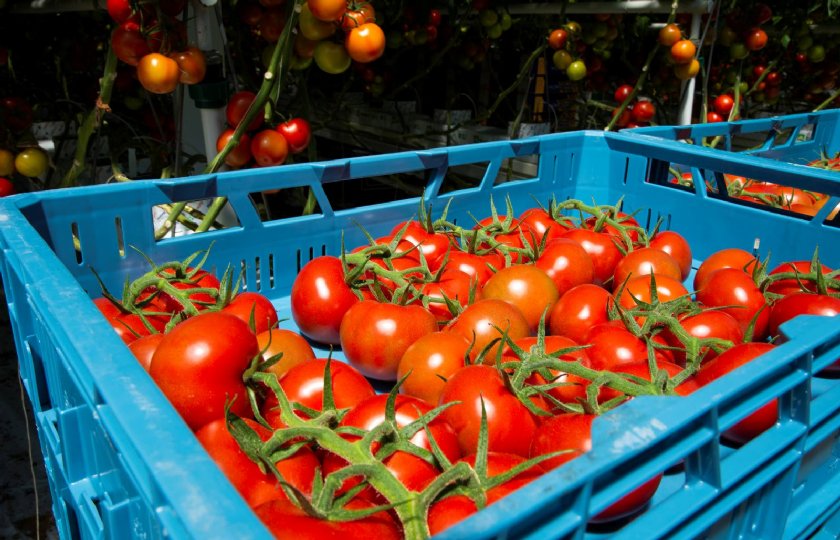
(628, 6)
(687, 88)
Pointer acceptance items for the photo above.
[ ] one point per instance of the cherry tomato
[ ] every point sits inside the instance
(119, 10)
(762, 419)
(643, 111)
(792, 285)
(683, 51)
(240, 155)
(557, 38)
(128, 43)
(509, 423)
(6, 187)
(375, 335)
(576, 70)
(527, 287)
(320, 298)
(455, 286)
(365, 43)
(801, 303)
(643, 262)
(724, 258)
(569, 388)
(723, 105)
(238, 105)
(429, 362)
(574, 432)
(578, 310)
(735, 293)
(327, 10)
(198, 366)
(32, 162)
(542, 225)
(639, 290)
(602, 249)
(271, 24)
(675, 245)
(353, 18)
(707, 324)
(247, 304)
(483, 322)
(291, 345)
(269, 148)
(158, 74)
(566, 263)
(144, 348)
(669, 35)
(472, 264)
(756, 39)
(622, 92)
(286, 520)
(331, 57)
(297, 134)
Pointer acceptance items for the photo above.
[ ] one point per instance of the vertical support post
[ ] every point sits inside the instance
(687, 89)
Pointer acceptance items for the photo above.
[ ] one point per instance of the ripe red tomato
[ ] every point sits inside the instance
(297, 133)
(669, 35)
(374, 335)
(792, 285)
(643, 262)
(713, 116)
(707, 324)
(574, 432)
(762, 419)
(192, 65)
(130, 326)
(353, 18)
(639, 289)
(320, 298)
(683, 51)
(643, 111)
(566, 263)
(269, 148)
(570, 388)
(198, 366)
(119, 10)
(541, 224)
(256, 486)
(144, 348)
(294, 348)
(601, 247)
(725, 258)
(484, 321)
(756, 39)
(158, 74)
(735, 293)
(429, 362)
(801, 303)
(6, 187)
(286, 520)
(473, 264)
(271, 23)
(238, 105)
(527, 287)
(365, 43)
(578, 310)
(557, 38)
(509, 423)
(455, 285)
(723, 105)
(240, 155)
(128, 43)
(675, 245)
(247, 303)
(622, 92)
(612, 346)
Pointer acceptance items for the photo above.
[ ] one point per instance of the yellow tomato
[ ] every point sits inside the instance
(7, 162)
(32, 162)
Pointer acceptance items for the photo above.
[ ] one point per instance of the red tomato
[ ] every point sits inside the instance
(756, 39)
(601, 247)
(238, 105)
(130, 326)
(574, 432)
(483, 323)
(735, 293)
(255, 486)
(286, 521)
(643, 111)
(119, 10)
(541, 224)
(675, 245)
(611, 347)
(271, 24)
(454, 285)
(527, 287)
(162, 300)
(625, 220)
(622, 92)
(247, 304)
(569, 388)
(320, 298)
(304, 384)
(297, 133)
(429, 362)
(557, 38)
(144, 348)
(682, 52)
(762, 419)
(707, 324)
(192, 65)
(6, 187)
(327, 10)
(643, 262)
(725, 258)
(509, 423)
(434, 246)
(240, 155)
(375, 335)
(723, 105)
(128, 43)
(639, 289)
(269, 148)
(578, 310)
(291, 345)
(792, 285)
(566, 263)
(801, 303)
(475, 265)
(199, 364)
(354, 18)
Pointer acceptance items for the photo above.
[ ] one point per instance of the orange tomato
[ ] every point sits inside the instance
(365, 43)
(158, 74)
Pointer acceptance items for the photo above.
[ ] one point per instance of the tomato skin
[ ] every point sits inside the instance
(541, 224)
(240, 155)
(601, 247)
(244, 303)
(199, 364)
(611, 347)
(434, 246)
(192, 65)
(332, 57)
(429, 362)
(574, 388)
(455, 285)
(255, 486)
(144, 348)
(707, 324)
(567, 264)
(725, 258)
(734, 288)
(762, 419)
(294, 348)
(474, 265)
(128, 43)
(269, 148)
(297, 133)
(375, 335)
(622, 92)
(119, 10)
(723, 105)
(320, 298)
(643, 262)
(669, 34)
(675, 245)
(158, 74)
(643, 111)
(288, 522)
(683, 51)
(788, 286)
(327, 10)
(574, 432)
(639, 288)
(557, 38)
(365, 43)
(578, 310)
(509, 423)
(238, 105)
(480, 324)
(527, 287)
(801, 303)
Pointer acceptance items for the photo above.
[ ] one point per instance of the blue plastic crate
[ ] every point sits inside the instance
(123, 464)
(795, 138)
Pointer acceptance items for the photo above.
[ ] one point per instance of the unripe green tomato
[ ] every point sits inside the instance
(738, 51)
(332, 57)
(816, 54)
(804, 43)
(299, 64)
(759, 97)
(743, 87)
(562, 59)
(600, 29)
(731, 77)
(488, 18)
(576, 70)
(573, 28)
(505, 20)
(727, 36)
(606, 54)
(495, 31)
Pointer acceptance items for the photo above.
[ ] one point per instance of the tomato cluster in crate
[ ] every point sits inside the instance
(505, 340)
